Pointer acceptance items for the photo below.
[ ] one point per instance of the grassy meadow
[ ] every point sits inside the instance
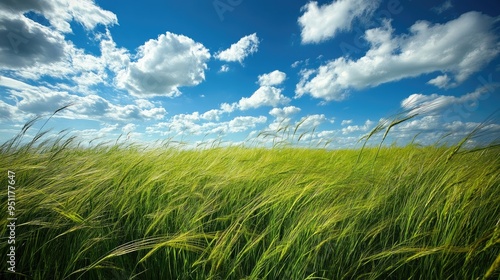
(124, 212)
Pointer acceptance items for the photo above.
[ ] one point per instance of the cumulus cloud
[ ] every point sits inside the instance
(320, 23)
(457, 49)
(165, 64)
(272, 79)
(267, 94)
(284, 112)
(240, 50)
(228, 108)
(264, 96)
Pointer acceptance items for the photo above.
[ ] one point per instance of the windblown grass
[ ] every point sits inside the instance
(115, 212)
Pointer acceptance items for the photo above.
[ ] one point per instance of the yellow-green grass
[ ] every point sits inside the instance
(253, 213)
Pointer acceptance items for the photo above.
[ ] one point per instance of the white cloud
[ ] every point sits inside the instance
(224, 68)
(311, 121)
(79, 70)
(165, 64)
(457, 48)
(8, 112)
(438, 104)
(15, 84)
(272, 79)
(240, 50)
(156, 113)
(211, 115)
(442, 81)
(115, 58)
(429, 130)
(39, 100)
(85, 12)
(129, 128)
(240, 124)
(346, 122)
(443, 7)
(264, 96)
(355, 128)
(300, 62)
(284, 112)
(195, 124)
(320, 23)
(97, 108)
(60, 13)
(267, 94)
(228, 108)
(282, 117)
(25, 43)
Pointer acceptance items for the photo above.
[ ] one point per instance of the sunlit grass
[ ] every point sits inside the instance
(124, 212)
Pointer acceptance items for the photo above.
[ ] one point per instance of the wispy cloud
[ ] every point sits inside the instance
(443, 7)
(224, 68)
(436, 104)
(240, 50)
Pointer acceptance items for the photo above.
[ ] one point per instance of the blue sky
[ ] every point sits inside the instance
(231, 69)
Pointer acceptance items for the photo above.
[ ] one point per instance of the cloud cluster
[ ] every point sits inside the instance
(358, 128)
(42, 100)
(457, 49)
(34, 51)
(320, 23)
(196, 124)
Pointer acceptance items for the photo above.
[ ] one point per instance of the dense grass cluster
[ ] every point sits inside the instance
(250, 213)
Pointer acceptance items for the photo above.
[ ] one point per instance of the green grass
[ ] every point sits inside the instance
(253, 213)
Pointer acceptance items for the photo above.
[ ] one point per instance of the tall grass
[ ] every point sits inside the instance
(124, 212)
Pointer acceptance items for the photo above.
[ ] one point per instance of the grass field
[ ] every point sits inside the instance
(252, 213)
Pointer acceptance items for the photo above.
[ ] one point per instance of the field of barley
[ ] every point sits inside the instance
(126, 212)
